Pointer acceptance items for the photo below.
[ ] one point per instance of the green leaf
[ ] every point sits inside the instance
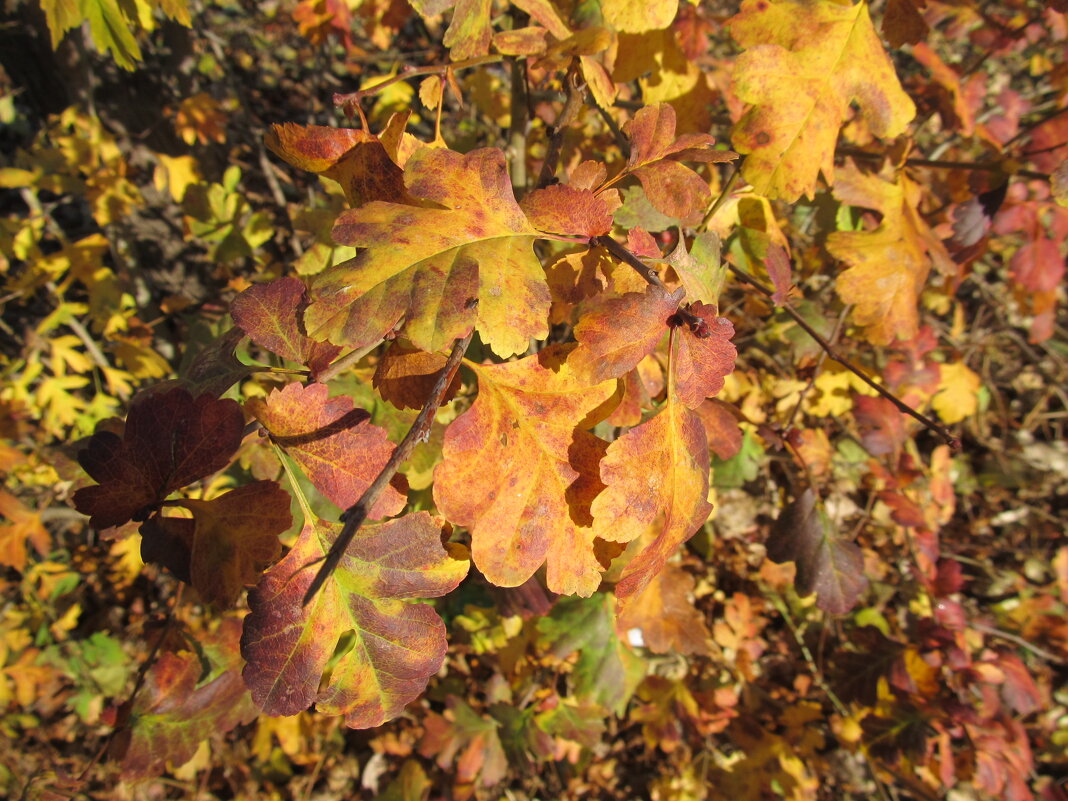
(111, 31)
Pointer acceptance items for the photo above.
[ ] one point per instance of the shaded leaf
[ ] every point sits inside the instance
(468, 261)
(665, 615)
(216, 368)
(270, 315)
(170, 440)
(178, 707)
(722, 431)
(827, 565)
(396, 645)
(607, 671)
(521, 444)
(405, 376)
(333, 442)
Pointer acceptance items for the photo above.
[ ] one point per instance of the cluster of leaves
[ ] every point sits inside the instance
(558, 368)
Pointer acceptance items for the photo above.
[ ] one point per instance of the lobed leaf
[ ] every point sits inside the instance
(396, 645)
(656, 478)
(804, 64)
(519, 471)
(333, 442)
(170, 440)
(435, 272)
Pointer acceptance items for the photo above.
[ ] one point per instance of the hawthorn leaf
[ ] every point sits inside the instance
(170, 440)
(903, 23)
(270, 315)
(655, 153)
(461, 732)
(397, 646)
(216, 368)
(23, 527)
(665, 615)
(607, 671)
(639, 16)
(881, 425)
(410, 784)
(702, 362)
(405, 376)
(701, 271)
(888, 267)
(722, 431)
(178, 707)
(777, 263)
(656, 478)
(519, 472)
(110, 31)
(804, 64)
(333, 442)
(471, 30)
(827, 565)
(958, 392)
(61, 16)
(618, 332)
(354, 158)
(565, 209)
(235, 538)
(437, 271)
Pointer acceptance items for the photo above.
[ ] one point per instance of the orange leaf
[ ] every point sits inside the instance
(666, 617)
(656, 478)
(519, 471)
(405, 376)
(24, 526)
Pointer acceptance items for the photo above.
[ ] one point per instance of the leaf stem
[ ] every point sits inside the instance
(828, 348)
(354, 516)
(576, 97)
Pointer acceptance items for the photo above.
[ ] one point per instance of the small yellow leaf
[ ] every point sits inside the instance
(958, 393)
(177, 174)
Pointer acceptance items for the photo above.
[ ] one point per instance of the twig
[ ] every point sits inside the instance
(828, 348)
(350, 101)
(354, 516)
(942, 164)
(1001, 634)
(728, 187)
(576, 97)
(344, 363)
(696, 324)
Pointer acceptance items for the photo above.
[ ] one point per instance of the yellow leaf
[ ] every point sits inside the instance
(638, 16)
(804, 65)
(958, 393)
(61, 16)
(66, 354)
(177, 173)
(201, 118)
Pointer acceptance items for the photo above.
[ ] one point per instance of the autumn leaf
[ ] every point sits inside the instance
(565, 209)
(23, 528)
(270, 314)
(177, 707)
(656, 477)
(465, 743)
(633, 16)
(356, 159)
(201, 118)
(396, 645)
(519, 471)
(703, 358)
(405, 376)
(888, 266)
(170, 440)
(804, 64)
(827, 564)
(333, 442)
(618, 332)
(607, 671)
(958, 392)
(655, 153)
(665, 615)
(437, 271)
(700, 270)
(110, 31)
(233, 538)
(881, 425)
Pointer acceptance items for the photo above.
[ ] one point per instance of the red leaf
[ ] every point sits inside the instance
(170, 440)
(564, 209)
(702, 362)
(270, 315)
(881, 425)
(333, 443)
(619, 332)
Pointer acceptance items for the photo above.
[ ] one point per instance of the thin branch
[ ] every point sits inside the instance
(695, 323)
(576, 97)
(1001, 634)
(350, 101)
(354, 516)
(828, 348)
(942, 164)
